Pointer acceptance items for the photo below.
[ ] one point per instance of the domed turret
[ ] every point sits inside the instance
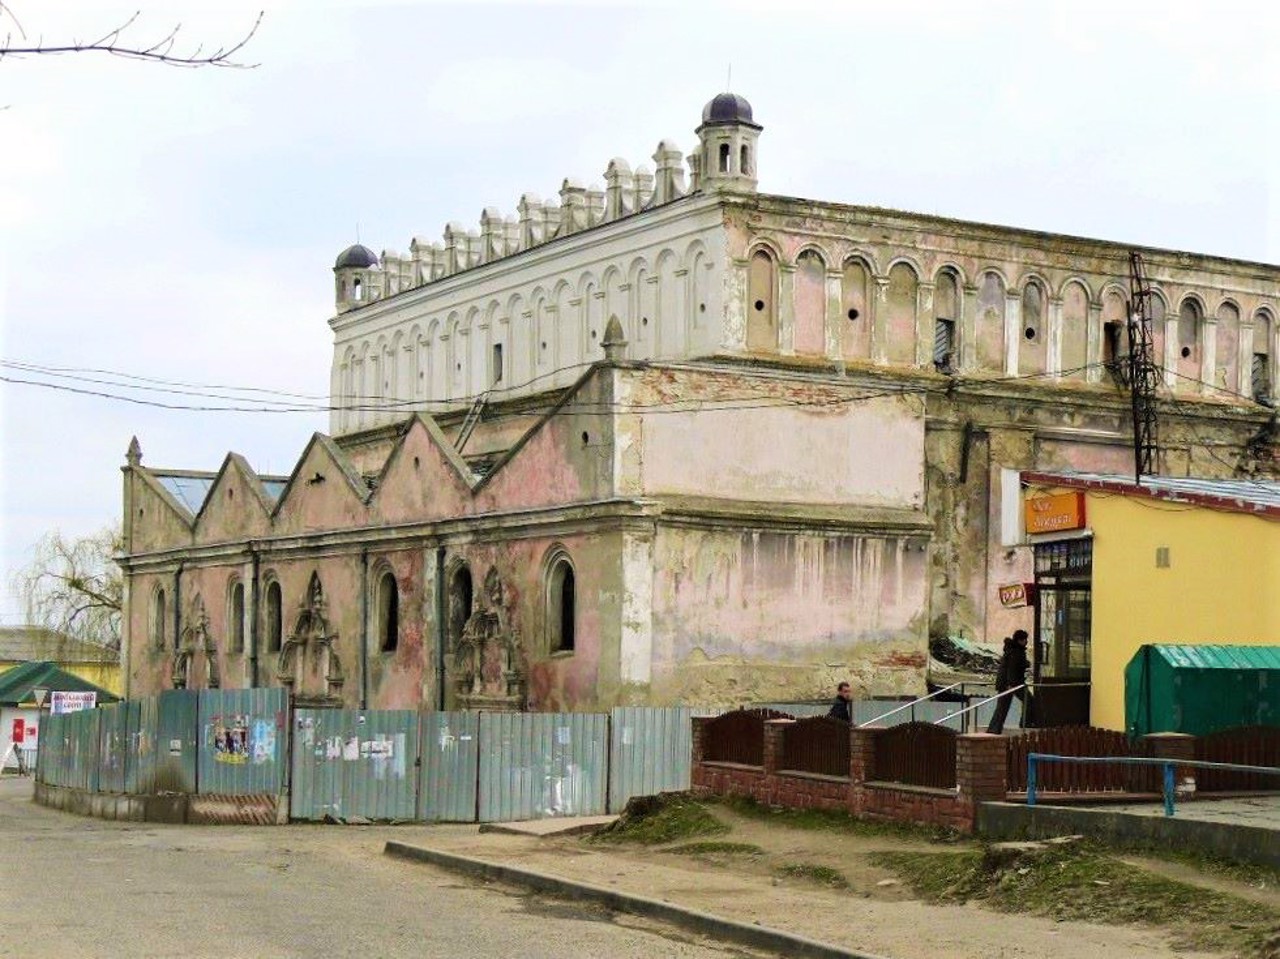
(727, 108)
(727, 160)
(358, 256)
(355, 277)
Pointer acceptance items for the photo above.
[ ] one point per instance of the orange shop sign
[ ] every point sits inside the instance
(1056, 513)
(1015, 595)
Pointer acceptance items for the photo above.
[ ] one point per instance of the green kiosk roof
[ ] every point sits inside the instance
(16, 684)
(1201, 689)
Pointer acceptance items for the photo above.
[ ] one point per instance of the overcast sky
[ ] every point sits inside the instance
(182, 224)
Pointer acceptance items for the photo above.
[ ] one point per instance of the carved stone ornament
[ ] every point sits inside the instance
(309, 666)
(195, 661)
(487, 672)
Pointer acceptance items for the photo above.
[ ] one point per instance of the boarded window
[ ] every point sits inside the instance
(811, 304)
(855, 323)
(388, 612)
(235, 617)
(762, 322)
(561, 606)
(900, 328)
(1260, 371)
(944, 345)
(275, 618)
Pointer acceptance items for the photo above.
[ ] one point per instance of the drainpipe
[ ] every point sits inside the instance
(441, 628)
(364, 629)
(254, 595)
(177, 607)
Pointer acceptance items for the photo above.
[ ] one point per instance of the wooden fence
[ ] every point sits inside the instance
(918, 754)
(1075, 777)
(816, 745)
(1247, 746)
(738, 737)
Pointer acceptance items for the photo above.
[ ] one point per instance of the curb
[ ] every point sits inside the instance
(757, 937)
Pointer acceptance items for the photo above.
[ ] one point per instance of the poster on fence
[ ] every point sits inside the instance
(71, 702)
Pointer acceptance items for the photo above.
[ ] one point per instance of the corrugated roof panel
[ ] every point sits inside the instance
(1261, 493)
(190, 491)
(1209, 656)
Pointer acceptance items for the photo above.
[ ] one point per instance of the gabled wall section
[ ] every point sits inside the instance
(237, 506)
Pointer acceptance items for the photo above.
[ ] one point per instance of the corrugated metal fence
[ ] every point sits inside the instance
(450, 767)
(243, 741)
(535, 765)
(350, 762)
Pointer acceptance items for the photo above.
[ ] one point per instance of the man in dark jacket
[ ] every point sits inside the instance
(1010, 674)
(842, 708)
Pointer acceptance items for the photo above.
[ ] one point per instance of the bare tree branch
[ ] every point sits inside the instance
(112, 42)
(74, 586)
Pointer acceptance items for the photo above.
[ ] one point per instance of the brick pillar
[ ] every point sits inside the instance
(981, 773)
(862, 753)
(699, 725)
(1174, 746)
(773, 743)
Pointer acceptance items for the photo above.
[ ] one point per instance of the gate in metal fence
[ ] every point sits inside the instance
(350, 762)
(534, 765)
(450, 766)
(113, 747)
(176, 748)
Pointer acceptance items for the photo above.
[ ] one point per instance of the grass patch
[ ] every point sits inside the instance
(1080, 883)
(833, 820)
(713, 847)
(812, 872)
(656, 820)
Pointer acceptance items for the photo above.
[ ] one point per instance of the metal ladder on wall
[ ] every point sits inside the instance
(472, 420)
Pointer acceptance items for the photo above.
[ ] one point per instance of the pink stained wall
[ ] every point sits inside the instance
(744, 615)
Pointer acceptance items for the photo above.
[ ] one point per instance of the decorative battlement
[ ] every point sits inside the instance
(724, 161)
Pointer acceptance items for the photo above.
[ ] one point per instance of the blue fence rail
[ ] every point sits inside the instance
(1169, 779)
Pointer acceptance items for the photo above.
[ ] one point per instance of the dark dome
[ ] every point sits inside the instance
(727, 108)
(357, 256)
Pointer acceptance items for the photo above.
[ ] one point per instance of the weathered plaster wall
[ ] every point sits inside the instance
(742, 615)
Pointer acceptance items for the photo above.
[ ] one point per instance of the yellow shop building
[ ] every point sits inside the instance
(1120, 564)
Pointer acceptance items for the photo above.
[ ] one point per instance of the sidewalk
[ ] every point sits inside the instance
(875, 915)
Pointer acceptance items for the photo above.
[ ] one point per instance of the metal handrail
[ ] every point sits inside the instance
(911, 705)
(1034, 759)
(982, 702)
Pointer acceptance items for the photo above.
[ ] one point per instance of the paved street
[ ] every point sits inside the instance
(76, 887)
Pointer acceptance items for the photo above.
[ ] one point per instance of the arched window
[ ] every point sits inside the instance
(235, 617)
(1075, 331)
(159, 619)
(724, 158)
(560, 606)
(459, 609)
(946, 314)
(810, 304)
(990, 331)
(855, 326)
(1227, 349)
(1115, 332)
(744, 162)
(275, 618)
(1032, 351)
(388, 612)
(762, 323)
(900, 325)
(1260, 371)
(357, 291)
(1188, 346)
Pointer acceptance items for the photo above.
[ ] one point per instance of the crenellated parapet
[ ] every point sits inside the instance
(577, 208)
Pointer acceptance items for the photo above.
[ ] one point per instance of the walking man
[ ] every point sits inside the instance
(842, 708)
(1010, 674)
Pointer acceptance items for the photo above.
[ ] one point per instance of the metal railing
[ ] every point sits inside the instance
(980, 704)
(1170, 767)
(911, 705)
